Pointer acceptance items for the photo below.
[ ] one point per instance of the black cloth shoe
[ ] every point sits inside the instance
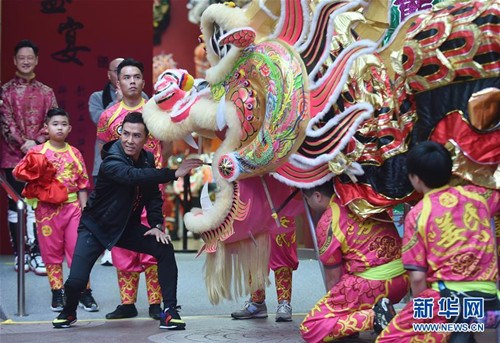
(384, 312)
(88, 302)
(57, 304)
(64, 320)
(155, 311)
(123, 311)
(171, 320)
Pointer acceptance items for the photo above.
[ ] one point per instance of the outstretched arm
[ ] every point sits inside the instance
(187, 165)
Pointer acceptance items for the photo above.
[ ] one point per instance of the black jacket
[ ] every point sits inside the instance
(123, 189)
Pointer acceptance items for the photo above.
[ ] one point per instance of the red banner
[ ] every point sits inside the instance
(77, 39)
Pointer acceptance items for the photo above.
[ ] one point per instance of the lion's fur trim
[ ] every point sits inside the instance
(228, 18)
(239, 261)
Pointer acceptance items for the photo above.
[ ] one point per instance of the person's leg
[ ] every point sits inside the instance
(37, 264)
(150, 267)
(128, 270)
(347, 308)
(152, 285)
(87, 251)
(70, 215)
(12, 218)
(254, 308)
(134, 239)
(401, 328)
(283, 261)
(52, 221)
(106, 259)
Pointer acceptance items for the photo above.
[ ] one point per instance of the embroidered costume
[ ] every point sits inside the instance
(370, 255)
(22, 112)
(448, 235)
(57, 221)
(25, 104)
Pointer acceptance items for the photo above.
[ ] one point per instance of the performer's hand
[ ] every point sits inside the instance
(28, 145)
(161, 236)
(187, 165)
(119, 94)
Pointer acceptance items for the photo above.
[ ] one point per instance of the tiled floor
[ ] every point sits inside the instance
(205, 322)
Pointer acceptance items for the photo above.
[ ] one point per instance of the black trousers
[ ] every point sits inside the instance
(88, 249)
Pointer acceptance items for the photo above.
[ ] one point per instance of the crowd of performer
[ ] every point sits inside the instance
(448, 250)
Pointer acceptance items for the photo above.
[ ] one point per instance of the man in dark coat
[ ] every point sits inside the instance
(127, 182)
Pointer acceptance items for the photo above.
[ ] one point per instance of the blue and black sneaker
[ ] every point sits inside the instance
(64, 320)
(171, 320)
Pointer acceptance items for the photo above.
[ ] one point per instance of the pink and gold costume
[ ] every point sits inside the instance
(57, 223)
(129, 263)
(448, 235)
(369, 253)
(283, 260)
(25, 104)
(110, 123)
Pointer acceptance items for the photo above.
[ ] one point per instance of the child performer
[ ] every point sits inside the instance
(56, 186)
(448, 247)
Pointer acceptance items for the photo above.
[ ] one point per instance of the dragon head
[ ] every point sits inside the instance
(257, 103)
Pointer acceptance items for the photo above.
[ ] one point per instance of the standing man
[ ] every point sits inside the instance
(99, 102)
(130, 264)
(127, 183)
(102, 100)
(25, 102)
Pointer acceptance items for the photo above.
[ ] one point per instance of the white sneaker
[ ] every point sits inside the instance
(284, 312)
(106, 259)
(37, 265)
(251, 310)
(26, 263)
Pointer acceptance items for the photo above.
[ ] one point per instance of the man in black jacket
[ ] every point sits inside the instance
(128, 182)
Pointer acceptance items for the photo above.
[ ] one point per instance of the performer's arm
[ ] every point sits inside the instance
(82, 198)
(95, 106)
(418, 281)
(9, 124)
(333, 275)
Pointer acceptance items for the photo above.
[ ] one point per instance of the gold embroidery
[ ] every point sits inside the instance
(281, 240)
(46, 230)
(285, 221)
(448, 200)
(385, 247)
(471, 218)
(411, 243)
(465, 264)
(450, 234)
